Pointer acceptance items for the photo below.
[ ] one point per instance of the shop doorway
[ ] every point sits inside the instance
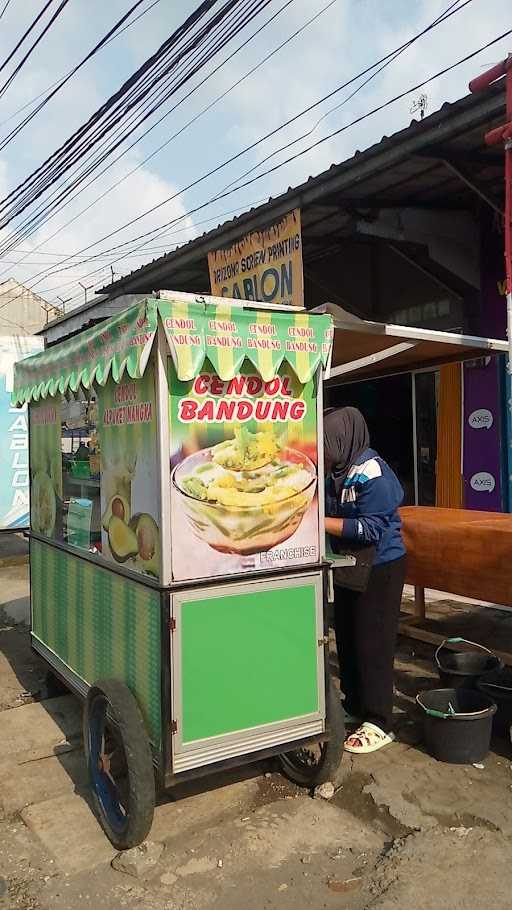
(401, 412)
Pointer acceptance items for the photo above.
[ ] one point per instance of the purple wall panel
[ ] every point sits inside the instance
(482, 465)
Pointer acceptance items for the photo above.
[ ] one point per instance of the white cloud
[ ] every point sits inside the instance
(144, 190)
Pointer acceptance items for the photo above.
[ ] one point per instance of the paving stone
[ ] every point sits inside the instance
(70, 832)
(69, 821)
(40, 726)
(25, 780)
(201, 810)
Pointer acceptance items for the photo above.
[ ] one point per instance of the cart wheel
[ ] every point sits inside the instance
(313, 765)
(120, 763)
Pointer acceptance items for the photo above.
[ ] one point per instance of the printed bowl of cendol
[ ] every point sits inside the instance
(246, 494)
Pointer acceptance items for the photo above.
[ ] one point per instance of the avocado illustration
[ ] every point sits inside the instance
(122, 540)
(118, 507)
(148, 542)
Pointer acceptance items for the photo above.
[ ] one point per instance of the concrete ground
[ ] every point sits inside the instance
(402, 829)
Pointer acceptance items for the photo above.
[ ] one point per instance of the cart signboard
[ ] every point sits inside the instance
(14, 483)
(244, 473)
(264, 265)
(46, 467)
(129, 489)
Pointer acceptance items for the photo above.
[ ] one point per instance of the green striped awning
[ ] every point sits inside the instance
(118, 345)
(224, 334)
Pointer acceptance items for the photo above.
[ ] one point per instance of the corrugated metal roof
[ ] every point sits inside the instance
(439, 160)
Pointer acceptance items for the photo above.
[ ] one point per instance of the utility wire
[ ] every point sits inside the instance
(4, 8)
(172, 42)
(54, 84)
(305, 151)
(124, 92)
(189, 123)
(253, 145)
(113, 33)
(253, 12)
(302, 113)
(455, 7)
(221, 40)
(145, 79)
(159, 249)
(32, 48)
(357, 120)
(25, 34)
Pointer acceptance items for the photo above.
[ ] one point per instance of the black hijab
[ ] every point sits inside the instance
(346, 437)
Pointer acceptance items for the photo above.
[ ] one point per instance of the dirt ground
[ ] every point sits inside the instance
(402, 829)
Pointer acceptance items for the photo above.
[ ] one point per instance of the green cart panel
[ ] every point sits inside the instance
(245, 659)
(99, 624)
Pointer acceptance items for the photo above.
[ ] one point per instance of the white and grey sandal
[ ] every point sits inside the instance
(367, 738)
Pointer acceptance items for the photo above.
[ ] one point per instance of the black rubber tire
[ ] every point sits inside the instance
(331, 751)
(123, 710)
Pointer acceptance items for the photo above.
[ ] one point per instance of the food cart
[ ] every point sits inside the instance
(177, 546)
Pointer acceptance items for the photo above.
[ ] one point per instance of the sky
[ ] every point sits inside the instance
(346, 37)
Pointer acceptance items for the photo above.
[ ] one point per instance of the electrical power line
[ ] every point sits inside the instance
(113, 33)
(160, 249)
(4, 8)
(25, 33)
(355, 121)
(173, 43)
(189, 123)
(33, 46)
(297, 155)
(135, 90)
(36, 219)
(441, 18)
(250, 147)
(454, 7)
(71, 71)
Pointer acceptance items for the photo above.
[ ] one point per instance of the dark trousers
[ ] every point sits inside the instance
(366, 624)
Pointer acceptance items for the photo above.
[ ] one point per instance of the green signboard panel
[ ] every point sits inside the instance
(100, 625)
(248, 659)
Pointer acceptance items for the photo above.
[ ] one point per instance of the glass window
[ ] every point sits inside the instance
(80, 505)
(94, 477)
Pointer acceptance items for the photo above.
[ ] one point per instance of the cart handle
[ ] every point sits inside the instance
(479, 83)
(432, 711)
(457, 641)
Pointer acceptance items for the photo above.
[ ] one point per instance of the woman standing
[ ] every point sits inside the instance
(362, 498)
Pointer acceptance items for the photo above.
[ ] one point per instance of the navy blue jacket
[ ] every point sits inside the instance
(368, 504)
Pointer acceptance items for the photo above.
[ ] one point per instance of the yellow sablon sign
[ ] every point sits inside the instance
(264, 265)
